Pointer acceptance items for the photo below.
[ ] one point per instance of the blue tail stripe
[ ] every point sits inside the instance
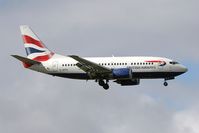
(33, 50)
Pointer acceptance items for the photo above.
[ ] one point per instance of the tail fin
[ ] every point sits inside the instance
(34, 47)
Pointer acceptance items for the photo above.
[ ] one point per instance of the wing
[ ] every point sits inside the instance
(95, 70)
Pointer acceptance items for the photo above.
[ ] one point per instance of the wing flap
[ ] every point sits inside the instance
(83, 67)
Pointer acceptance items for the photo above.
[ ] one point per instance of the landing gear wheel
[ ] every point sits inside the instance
(165, 83)
(106, 86)
(101, 83)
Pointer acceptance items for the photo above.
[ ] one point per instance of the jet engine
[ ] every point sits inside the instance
(128, 82)
(122, 73)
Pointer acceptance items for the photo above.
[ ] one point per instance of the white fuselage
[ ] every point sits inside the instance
(142, 67)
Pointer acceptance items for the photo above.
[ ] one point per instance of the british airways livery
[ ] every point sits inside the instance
(122, 70)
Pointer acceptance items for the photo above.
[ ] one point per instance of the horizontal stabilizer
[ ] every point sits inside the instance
(25, 60)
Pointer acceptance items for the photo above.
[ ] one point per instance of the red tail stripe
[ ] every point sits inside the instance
(26, 65)
(28, 39)
(43, 57)
(39, 58)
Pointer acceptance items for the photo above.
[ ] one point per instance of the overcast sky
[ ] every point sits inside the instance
(31, 102)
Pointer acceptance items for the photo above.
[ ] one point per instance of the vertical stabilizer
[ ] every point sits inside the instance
(35, 49)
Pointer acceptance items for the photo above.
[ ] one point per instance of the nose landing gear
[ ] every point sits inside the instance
(165, 83)
(165, 80)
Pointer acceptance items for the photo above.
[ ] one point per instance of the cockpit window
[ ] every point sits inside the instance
(173, 62)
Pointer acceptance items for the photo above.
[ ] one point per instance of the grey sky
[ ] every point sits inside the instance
(33, 102)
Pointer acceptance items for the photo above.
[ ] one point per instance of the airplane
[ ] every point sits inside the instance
(122, 70)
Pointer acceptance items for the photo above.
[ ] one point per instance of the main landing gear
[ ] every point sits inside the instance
(103, 84)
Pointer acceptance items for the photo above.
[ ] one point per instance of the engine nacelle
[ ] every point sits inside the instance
(122, 73)
(128, 82)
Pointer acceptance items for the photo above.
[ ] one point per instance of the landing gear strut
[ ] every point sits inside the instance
(103, 84)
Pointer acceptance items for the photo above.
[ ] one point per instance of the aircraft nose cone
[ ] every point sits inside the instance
(184, 69)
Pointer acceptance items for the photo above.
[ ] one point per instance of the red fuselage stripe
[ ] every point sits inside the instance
(154, 61)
